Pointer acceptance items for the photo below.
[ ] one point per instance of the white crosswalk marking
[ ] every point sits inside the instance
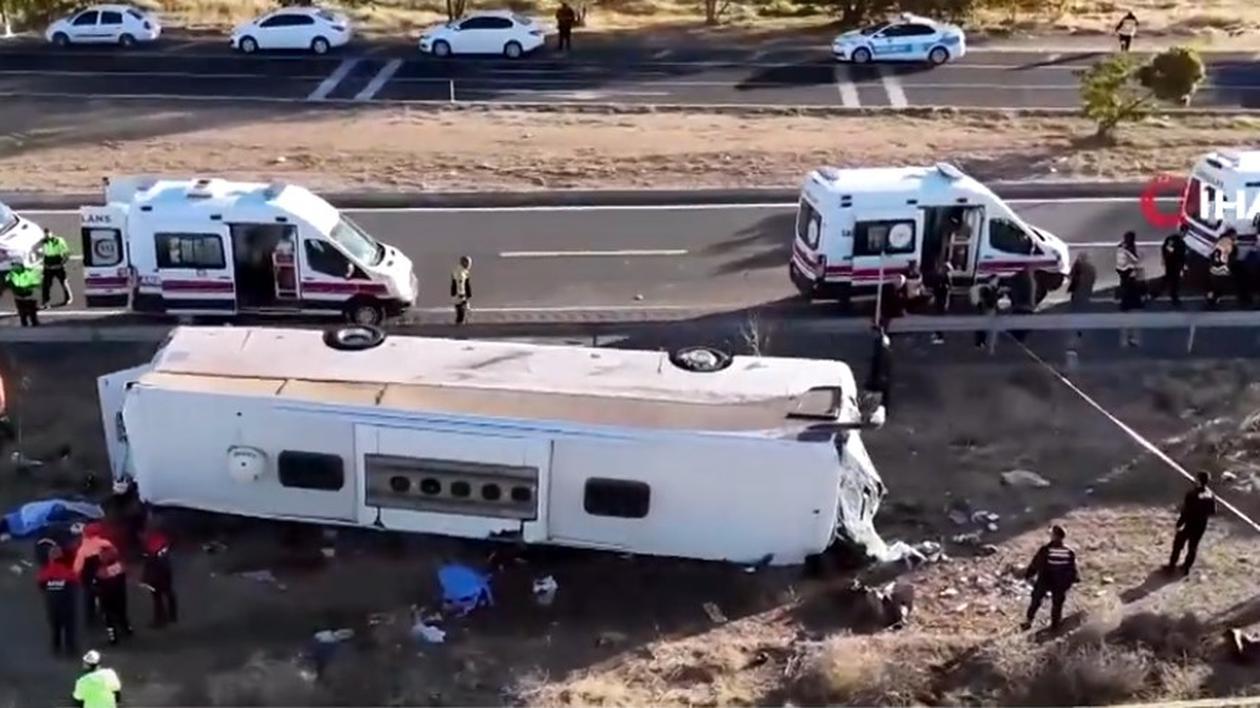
(382, 77)
(892, 86)
(848, 92)
(329, 84)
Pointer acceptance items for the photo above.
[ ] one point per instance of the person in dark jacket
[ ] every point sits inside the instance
(461, 288)
(985, 298)
(1126, 30)
(565, 19)
(58, 582)
(158, 576)
(1173, 253)
(1198, 506)
(879, 378)
(1081, 281)
(1052, 571)
(1023, 297)
(111, 588)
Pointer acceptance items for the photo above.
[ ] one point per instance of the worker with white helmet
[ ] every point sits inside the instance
(99, 687)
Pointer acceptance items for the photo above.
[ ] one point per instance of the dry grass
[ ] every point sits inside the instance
(399, 149)
(847, 670)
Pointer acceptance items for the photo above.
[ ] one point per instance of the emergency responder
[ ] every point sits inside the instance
(98, 687)
(461, 288)
(111, 588)
(1126, 30)
(57, 580)
(158, 576)
(939, 282)
(565, 19)
(23, 280)
(86, 564)
(126, 513)
(55, 251)
(1129, 268)
(1053, 571)
(1219, 269)
(1173, 253)
(1198, 506)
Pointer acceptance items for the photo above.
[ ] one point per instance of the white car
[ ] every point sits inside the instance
(497, 32)
(18, 239)
(909, 38)
(123, 25)
(310, 28)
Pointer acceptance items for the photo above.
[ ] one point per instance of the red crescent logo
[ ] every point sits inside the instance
(1163, 186)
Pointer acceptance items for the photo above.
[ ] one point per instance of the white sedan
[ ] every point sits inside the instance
(910, 38)
(123, 25)
(310, 28)
(498, 32)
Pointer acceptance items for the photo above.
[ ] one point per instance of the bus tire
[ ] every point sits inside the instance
(700, 359)
(354, 338)
(365, 311)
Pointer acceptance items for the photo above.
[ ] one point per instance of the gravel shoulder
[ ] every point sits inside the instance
(52, 146)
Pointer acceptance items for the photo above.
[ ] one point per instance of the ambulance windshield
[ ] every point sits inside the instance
(7, 219)
(362, 247)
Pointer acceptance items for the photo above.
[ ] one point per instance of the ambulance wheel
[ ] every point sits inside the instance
(861, 55)
(354, 338)
(700, 359)
(365, 312)
(938, 56)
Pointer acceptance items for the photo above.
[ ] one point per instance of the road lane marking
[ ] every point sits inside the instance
(329, 84)
(848, 92)
(892, 86)
(595, 254)
(384, 75)
(153, 74)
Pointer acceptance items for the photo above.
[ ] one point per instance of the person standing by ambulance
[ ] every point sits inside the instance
(57, 580)
(1220, 268)
(461, 288)
(56, 252)
(23, 280)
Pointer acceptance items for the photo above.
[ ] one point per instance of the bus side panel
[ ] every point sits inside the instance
(708, 497)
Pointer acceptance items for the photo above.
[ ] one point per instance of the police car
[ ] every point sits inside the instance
(908, 38)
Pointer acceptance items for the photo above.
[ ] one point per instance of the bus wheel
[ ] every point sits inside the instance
(354, 338)
(365, 312)
(700, 359)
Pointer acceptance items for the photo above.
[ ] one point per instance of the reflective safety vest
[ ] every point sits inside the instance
(98, 689)
(459, 284)
(23, 282)
(55, 250)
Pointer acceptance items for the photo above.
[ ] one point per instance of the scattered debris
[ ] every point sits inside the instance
(1107, 580)
(263, 576)
(213, 547)
(334, 636)
(958, 517)
(1024, 478)
(428, 633)
(949, 592)
(610, 639)
(967, 539)
(1228, 476)
(991, 528)
(545, 590)
(984, 517)
(714, 613)
(17, 569)
(988, 549)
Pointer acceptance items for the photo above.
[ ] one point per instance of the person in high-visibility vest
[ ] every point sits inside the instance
(461, 288)
(99, 687)
(56, 252)
(23, 280)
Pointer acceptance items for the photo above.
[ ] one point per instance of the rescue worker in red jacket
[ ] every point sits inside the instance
(158, 576)
(111, 588)
(1053, 571)
(86, 564)
(58, 581)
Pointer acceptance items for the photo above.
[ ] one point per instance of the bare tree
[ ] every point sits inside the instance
(757, 335)
(714, 9)
(455, 9)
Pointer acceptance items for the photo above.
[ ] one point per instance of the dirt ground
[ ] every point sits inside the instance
(961, 420)
(400, 149)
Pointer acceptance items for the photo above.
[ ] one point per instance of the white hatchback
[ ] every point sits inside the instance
(310, 28)
(123, 25)
(496, 32)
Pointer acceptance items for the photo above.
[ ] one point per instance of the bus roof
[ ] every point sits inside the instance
(501, 379)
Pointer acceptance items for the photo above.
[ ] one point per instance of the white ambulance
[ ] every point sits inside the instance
(1219, 181)
(214, 247)
(856, 228)
(18, 238)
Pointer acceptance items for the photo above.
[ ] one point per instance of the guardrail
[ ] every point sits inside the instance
(1191, 321)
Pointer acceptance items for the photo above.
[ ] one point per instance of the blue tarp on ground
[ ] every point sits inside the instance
(34, 517)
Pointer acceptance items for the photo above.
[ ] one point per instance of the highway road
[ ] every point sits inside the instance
(773, 75)
(571, 263)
